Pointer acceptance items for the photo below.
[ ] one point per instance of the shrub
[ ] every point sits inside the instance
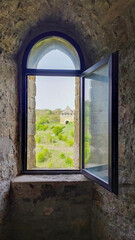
(50, 165)
(41, 127)
(40, 157)
(47, 154)
(62, 156)
(38, 126)
(57, 130)
(52, 127)
(43, 120)
(72, 133)
(71, 142)
(87, 138)
(64, 138)
(49, 111)
(44, 127)
(41, 147)
(44, 155)
(60, 136)
(38, 139)
(87, 153)
(50, 138)
(69, 161)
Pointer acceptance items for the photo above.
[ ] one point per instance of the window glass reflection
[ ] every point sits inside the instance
(96, 123)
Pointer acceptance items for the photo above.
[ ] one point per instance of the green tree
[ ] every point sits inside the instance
(69, 161)
(57, 130)
(43, 155)
(62, 156)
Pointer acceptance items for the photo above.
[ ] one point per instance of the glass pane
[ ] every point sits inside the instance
(53, 53)
(96, 123)
(50, 135)
(56, 60)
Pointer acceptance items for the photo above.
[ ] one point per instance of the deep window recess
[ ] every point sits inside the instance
(69, 116)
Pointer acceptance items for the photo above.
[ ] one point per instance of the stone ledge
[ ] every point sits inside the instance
(49, 207)
(50, 178)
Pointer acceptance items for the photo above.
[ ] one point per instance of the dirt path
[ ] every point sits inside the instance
(62, 149)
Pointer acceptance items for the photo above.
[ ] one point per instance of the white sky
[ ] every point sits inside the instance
(55, 92)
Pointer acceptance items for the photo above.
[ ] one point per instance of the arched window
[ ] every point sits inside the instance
(64, 52)
(69, 115)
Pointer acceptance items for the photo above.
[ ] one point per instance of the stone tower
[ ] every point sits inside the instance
(67, 116)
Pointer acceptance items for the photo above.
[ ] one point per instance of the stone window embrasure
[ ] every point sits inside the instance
(95, 112)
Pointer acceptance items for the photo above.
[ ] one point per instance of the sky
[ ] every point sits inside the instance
(55, 92)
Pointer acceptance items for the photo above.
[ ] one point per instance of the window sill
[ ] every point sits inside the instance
(70, 178)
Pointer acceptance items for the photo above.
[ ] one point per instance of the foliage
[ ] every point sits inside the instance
(62, 156)
(41, 127)
(87, 153)
(38, 139)
(60, 136)
(40, 157)
(47, 153)
(64, 138)
(51, 138)
(69, 161)
(43, 155)
(87, 137)
(72, 133)
(56, 138)
(71, 142)
(41, 147)
(57, 130)
(50, 165)
(52, 127)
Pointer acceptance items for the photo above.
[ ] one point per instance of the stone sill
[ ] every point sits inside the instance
(63, 178)
(50, 189)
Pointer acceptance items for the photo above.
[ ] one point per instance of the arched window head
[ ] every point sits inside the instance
(69, 116)
(53, 53)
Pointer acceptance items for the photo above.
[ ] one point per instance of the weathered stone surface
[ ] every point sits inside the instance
(76, 151)
(99, 27)
(31, 144)
(115, 215)
(49, 207)
(8, 128)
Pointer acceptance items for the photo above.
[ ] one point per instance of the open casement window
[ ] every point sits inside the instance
(99, 122)
(69, 116)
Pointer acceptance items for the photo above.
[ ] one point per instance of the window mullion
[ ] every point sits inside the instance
(53, 72)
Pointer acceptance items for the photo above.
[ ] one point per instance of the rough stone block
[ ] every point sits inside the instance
(48, 207)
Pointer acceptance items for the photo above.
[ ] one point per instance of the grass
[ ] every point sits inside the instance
(54, 141)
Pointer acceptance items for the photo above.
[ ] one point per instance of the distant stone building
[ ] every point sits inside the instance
(67, 116)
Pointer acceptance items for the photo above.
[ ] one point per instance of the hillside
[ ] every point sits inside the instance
(54, 141)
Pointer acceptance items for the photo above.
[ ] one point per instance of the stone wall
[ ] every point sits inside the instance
(31, 144)
(8, 128)
(65, 118)
(114, 215)
(99, 27)
(49, 207)
(76, 153)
